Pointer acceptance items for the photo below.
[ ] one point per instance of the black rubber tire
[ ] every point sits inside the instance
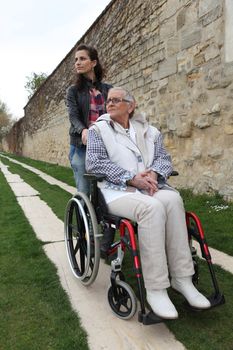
(82, 239)
(126, 304)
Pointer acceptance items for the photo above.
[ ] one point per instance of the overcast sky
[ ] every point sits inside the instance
(34, 37)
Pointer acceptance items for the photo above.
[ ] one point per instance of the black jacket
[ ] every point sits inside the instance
(78, 103)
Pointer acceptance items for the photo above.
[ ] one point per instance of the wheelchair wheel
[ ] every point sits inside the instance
(82, 239)
(124, 304)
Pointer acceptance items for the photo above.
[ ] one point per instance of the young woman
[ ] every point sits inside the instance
(86, 102)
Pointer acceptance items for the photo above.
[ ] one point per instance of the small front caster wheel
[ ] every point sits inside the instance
(123, 302)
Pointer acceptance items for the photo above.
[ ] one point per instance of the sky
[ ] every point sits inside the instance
(34, 37)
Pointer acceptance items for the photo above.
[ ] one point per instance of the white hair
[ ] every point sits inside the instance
(127, 95)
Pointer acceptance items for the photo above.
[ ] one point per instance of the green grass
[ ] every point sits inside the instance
(35, 311)
(216, 217)
(197, 331)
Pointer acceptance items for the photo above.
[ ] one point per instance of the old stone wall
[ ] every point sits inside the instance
(175, 56)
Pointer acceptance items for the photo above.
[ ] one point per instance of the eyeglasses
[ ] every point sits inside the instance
(115, 100)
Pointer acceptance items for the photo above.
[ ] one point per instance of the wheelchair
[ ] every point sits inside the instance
(85, 219)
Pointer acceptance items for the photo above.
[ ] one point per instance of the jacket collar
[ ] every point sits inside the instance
(92, 84)
(139, 128)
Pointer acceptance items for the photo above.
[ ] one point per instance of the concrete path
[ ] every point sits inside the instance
(51, 180)
(105, 331)
(218, 257)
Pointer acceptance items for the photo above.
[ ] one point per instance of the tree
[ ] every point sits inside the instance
(4, 114)
(34, 81)
(6, 120)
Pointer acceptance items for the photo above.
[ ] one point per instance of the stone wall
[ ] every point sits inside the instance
(172, 55)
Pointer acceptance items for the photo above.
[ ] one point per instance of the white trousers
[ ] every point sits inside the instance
(162, 234)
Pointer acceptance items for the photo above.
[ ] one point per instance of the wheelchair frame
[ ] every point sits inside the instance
(82, 238)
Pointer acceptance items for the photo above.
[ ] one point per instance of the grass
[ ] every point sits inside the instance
(197, 331)
(35, 311)
(216, 217)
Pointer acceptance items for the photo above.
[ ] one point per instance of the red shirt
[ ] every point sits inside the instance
(96, 105)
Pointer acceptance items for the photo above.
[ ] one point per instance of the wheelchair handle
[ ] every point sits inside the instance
(174, 173)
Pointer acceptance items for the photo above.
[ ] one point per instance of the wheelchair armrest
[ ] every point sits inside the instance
(95, 177)
(101, 177)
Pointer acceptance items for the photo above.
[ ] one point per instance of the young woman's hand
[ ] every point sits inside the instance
(84, 136)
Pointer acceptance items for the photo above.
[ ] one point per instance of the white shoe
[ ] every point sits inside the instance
(161, 304)
(185, 286)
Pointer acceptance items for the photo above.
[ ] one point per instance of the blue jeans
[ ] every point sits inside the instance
(77, 157)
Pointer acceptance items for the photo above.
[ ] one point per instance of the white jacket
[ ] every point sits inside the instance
(121, 149)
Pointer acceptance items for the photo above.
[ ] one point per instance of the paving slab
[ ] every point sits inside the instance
(9, 176)
(41, 218)
(21, 189)
(4, 169)
(13, 178)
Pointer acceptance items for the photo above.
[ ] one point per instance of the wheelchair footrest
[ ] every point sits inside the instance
(216, 299)
(148, 318)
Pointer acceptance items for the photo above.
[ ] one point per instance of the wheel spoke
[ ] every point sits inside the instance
(118, 305)
(91, 264)
(82, 261)
(83, 246)
(125, 303)
(74, 228)
(79, 220)
(77, 246)
(124, 297)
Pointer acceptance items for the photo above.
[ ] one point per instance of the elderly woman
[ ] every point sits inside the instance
(131, 155)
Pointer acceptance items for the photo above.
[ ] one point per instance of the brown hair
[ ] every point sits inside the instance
(98, 69)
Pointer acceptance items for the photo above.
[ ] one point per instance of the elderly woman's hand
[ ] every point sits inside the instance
(146, 180)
